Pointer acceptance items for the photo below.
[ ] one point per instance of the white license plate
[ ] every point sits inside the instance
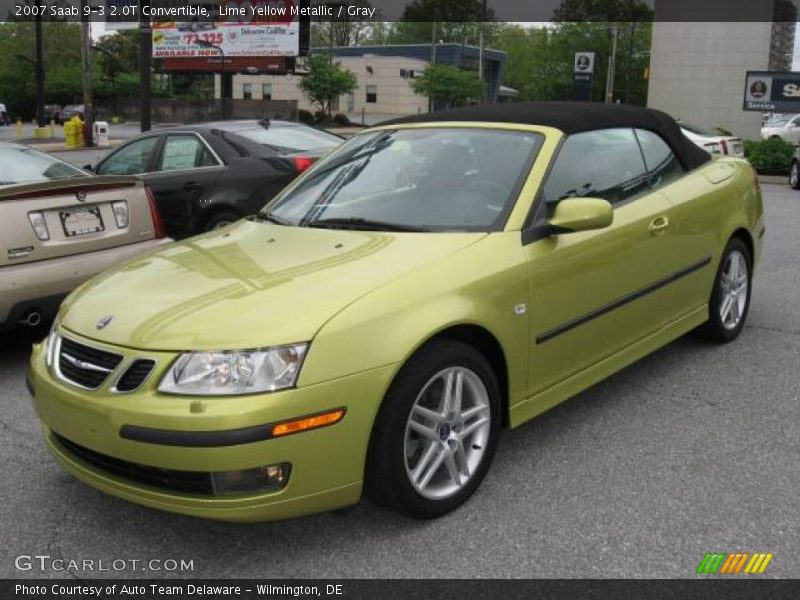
(81, 221)
(737, 148)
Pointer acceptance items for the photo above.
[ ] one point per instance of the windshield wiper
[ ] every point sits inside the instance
(359, 224)
(261, 216)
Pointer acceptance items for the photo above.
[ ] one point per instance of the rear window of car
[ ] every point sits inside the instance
(289, 139)
(22, 165)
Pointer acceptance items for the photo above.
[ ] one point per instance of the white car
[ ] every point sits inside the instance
(715, 144)
(786, 128)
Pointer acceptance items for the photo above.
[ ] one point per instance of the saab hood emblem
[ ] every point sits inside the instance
(103, 323)
(81, 195)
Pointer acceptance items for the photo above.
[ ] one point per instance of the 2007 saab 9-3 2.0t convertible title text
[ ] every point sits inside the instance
(377, 324)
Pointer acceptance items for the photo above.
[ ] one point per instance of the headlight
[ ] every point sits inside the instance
(230, 373)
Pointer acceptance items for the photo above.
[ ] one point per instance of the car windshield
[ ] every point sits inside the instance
(21, 165)
(418, 179)
(295, 138)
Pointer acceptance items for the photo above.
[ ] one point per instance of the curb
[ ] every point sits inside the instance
(774, 179)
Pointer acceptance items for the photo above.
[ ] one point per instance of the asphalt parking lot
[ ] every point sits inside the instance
(694, 449)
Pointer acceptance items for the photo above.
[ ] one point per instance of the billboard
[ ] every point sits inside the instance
(229, 28)
(772, 91)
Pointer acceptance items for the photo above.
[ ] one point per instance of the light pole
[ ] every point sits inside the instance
(39, 66)
(226, 79)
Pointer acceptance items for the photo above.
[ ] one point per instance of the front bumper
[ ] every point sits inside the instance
(327, 464)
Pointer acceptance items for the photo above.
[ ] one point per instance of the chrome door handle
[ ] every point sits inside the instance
(659, 225)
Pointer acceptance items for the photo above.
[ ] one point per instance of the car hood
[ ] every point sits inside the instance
(247, 286)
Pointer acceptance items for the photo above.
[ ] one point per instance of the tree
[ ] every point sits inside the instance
(344, 32)
(603, 11)
(448, 84)
(326, 81)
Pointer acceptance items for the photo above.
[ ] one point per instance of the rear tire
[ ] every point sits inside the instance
(730, 297)
(431, 449)
(794, 175)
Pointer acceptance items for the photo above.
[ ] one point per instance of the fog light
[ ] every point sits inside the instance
(259, 479)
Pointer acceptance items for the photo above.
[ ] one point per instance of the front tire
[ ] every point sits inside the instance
(730, 298)
(794, 175)
(436, 432)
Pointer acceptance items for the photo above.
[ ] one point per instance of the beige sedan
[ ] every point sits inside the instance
(59, 226)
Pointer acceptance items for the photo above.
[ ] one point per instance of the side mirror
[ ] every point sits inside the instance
(88, 168)
(581, 214)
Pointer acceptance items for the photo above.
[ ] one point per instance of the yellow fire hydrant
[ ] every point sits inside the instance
(79, 128)
(70, 135)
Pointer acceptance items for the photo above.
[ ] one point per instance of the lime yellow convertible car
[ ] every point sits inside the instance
(373, 329)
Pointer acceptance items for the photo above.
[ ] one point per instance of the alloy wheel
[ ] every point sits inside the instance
(794, 175)
(734, 287)
(447, 433)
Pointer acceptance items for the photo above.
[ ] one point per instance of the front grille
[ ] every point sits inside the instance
(133, 377)
(192, 482)
(84, 365)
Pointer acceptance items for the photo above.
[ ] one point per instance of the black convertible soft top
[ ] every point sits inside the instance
(575, 117)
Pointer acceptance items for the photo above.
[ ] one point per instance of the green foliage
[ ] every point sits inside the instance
(62, 55)
(326, 81)
(305, 116)
(606, 11)
(770, 157)
(448, 84)
(341, 120)
(540, 60)
(345, 32)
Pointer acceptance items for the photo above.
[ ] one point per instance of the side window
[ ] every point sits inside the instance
(598, 164)
(659, 158)
(131, 159)
(184, 152)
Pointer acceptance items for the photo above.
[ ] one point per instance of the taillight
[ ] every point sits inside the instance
(301, 163)
(158, 224)
(724, 146)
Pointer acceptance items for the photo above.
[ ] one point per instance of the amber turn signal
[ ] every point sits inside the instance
(306, 423)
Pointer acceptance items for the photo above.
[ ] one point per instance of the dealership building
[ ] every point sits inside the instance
(383, 76)
(698, 69)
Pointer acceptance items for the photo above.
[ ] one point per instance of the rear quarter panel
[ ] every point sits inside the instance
(709, 205)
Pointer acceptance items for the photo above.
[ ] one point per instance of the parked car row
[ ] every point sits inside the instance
(207, 176)
(61, 224)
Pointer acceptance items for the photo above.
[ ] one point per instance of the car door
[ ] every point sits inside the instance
(185, 171)
(133, 158)
(594, 293)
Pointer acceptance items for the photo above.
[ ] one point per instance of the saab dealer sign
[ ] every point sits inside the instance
(772, 91)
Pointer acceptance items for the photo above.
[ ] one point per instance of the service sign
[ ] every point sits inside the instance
(228, 28)
(584, 62)
(776, 91)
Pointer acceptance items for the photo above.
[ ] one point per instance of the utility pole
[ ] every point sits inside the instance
(480, 49)
(612, 67)
(145, 62)
(433, 62)
(86, 70)
(39, 66)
